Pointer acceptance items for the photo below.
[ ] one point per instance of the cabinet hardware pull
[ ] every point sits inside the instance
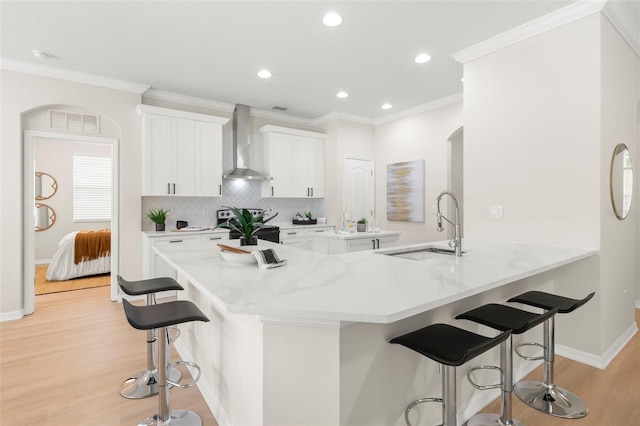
(174, 188)
(291, 233)
(378, 242)
(215, 238)
(175, 241)
(272, 191)
(307, 192)
(312, 192)
(373, 242)
(168, 188)
(220, 189)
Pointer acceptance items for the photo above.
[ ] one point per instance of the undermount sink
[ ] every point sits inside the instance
(419, 253)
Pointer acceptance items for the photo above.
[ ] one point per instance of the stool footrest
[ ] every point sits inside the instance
(483, 367)
(416, 402)
(190, 384)
(529, 358)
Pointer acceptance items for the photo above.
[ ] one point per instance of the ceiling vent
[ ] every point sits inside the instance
(279, 108)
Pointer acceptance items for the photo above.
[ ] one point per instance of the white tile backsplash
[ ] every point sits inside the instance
(201, 211)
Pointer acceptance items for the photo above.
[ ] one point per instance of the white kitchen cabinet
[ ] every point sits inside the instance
(181, 152)
(295, 161)
(154, 266)
(310, 234)
(292, 237)
(336, 243)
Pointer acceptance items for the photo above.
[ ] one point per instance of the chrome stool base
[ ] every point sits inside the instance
(491, 419)
(552, 400)
(144, 384)
(177, 418)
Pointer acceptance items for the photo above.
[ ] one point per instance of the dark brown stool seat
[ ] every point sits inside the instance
(501, 317)
(546, 396)
(160, 317)
(450, 346)
(144, 384)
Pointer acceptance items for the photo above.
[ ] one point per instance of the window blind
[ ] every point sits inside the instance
(91, 189)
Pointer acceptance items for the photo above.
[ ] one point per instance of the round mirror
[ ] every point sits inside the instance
(621, 181)
(45, 186)
(45, 217)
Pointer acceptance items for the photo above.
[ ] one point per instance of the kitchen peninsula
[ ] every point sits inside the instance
(307, 343)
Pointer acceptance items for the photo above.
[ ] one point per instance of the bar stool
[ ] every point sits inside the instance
(451, 347)
(161, 316)
(502, 318)
(144, 383)
(546, 396)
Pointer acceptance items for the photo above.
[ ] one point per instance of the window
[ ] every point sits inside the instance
(91, 189)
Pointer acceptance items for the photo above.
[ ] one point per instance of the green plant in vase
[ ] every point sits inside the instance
(246, 224)
(362, 225)
(159, 217)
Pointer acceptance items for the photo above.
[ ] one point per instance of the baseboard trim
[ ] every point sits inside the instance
(205, 389)
(599, 361)
(11, 316)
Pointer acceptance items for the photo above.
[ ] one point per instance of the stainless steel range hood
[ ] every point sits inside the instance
(242, 148)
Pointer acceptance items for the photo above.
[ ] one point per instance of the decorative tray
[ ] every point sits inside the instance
(305, 222)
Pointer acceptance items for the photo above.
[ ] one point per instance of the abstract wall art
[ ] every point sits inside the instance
(405, 191)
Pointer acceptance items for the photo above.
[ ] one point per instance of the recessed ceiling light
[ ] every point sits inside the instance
(40, 54)
(386, 106)
(264, 74)
(342, 94)
(332, 19)
(422, 58)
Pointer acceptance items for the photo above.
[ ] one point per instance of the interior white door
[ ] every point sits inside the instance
(358, 188)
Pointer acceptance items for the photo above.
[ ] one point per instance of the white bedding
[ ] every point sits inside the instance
(62, 267)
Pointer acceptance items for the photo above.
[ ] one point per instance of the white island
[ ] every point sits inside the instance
(307, 343)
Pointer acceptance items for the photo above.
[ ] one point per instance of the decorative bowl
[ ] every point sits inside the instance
(240, 258)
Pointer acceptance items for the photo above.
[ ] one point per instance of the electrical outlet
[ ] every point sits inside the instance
(496, 212)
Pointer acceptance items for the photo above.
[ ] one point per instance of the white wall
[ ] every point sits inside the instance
(618, 248)
(22, 93)
(541, 117)
(419, 137)
(55, 157)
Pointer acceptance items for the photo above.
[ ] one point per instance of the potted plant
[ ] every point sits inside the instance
(362, 225)
(159, 217)
(246, 224)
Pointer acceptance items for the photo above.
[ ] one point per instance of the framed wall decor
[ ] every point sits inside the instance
(405, 191)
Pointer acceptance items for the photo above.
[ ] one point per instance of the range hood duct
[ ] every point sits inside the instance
(242, 147)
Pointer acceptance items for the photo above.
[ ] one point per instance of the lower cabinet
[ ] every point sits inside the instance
(336, 244)
(302, 237)
(153, 266)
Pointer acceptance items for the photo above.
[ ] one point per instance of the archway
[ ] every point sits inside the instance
(33, 128)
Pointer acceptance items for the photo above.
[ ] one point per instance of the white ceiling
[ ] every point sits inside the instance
(213, 49)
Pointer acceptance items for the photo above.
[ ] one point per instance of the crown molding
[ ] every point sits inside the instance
(429, 106)
(339, 115)
(278, 116)
(547, 22)
(188, 100)
(626, 20)
(74, 76)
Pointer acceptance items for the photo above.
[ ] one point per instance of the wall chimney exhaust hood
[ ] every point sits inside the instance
(241, 148)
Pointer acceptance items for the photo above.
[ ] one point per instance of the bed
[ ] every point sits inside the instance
(81, 253)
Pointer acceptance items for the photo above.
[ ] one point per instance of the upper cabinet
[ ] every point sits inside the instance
(295, 161)
(181, 152)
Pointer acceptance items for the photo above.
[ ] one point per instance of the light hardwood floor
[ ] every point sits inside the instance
(62, 366)
(612, 395)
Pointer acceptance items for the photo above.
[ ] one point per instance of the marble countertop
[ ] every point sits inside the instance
(341, 235)
(364, 286)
